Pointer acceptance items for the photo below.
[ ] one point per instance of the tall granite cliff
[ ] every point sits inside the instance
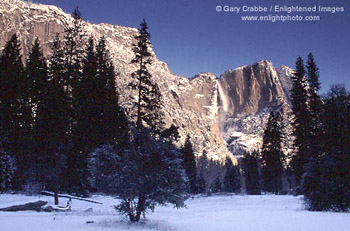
(220, 114)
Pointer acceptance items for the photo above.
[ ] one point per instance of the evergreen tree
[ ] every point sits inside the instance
(301, 120)
(151, 169)
(326, 182)
(232, 179)
(142, 176)
(189, 160)
(74, 44)
(14, 104)
(251, 173)
(201, 185)
(36, 74)
(113, 125)
(272, 154)
(315, 106)
(7, 163)
(51, 129)
(36, 78)
(217, 186)
(57, 69)
(148, 103)
(99, 118)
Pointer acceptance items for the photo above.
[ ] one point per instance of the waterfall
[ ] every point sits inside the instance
(223, 98)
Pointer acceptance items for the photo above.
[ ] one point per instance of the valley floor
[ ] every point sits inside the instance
(216, 213)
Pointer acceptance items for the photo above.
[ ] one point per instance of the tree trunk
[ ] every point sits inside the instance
(56, 197)
(34, 206)
(140, 207)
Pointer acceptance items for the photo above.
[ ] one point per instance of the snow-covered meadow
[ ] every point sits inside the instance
(215, 213)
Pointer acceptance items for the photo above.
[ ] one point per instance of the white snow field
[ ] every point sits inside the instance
(215, 213)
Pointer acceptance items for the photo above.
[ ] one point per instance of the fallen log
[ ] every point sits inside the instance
(47, 193)
(57, 208)
(33, 206)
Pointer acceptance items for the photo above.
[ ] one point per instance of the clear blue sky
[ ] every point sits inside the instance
(191, 37)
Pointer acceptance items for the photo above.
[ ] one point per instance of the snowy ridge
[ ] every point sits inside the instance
(195, 116)
(204, 107)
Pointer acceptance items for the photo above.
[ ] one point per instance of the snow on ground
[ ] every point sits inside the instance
(216, 213)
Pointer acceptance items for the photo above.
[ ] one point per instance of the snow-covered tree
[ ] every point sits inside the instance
(148, 173)
(150, 169)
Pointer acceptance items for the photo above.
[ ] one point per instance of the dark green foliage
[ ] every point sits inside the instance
(232, 179)
(272, 154)
(151, 170)
(251, 173)
(315, 106)
(36, 84)
(326, 182)
(98, 118)
(153, 174)
(36, 74)
(301, 120)
(51, 130)
(76, 172)
(148, 103)
(57, 62)
(104, 163)
(147, 173)
(217, 186)
(7, 163)
(113, 124)
(201, 183)
(16, 114)
(190, 166)
(74, 43)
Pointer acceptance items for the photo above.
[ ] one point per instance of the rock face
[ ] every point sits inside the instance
(190, 104)
(248, 94)
(218, 114)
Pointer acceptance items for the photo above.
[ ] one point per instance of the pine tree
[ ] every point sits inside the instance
(141, 176)
(189, 160)
(114, 124)
(7, 163)
(52, 127)
(232, 181)
(272, 154)
(74, 41)
(36, 78)
(151, 169)
(74, 44)
(315, 106)
(251, 173)
(14, 105)
(217, 186)
(50, 135)
(301, 120)
(148, 103)
(36, 74)
(99, 118)
(326, 182)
